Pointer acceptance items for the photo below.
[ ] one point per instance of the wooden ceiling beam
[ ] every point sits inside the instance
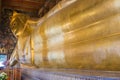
(34, 6)
(25, 1)
(22, 5)
(21, 8)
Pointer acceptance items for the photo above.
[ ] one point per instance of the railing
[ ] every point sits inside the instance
(68, 74)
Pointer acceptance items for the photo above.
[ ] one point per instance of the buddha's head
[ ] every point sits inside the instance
(17, 23)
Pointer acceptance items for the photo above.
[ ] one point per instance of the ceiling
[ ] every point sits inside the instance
(30, 6)
(24, 5)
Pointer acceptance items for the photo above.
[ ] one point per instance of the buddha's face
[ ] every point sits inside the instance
(17, 23)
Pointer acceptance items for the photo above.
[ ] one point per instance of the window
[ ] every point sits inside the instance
(3, 59)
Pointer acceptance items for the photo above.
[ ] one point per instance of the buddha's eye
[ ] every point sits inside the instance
(13, 25)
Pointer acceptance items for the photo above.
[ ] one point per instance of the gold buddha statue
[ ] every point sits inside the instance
(82, 34)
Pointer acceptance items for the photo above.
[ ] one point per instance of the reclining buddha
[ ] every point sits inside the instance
(82, 34)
